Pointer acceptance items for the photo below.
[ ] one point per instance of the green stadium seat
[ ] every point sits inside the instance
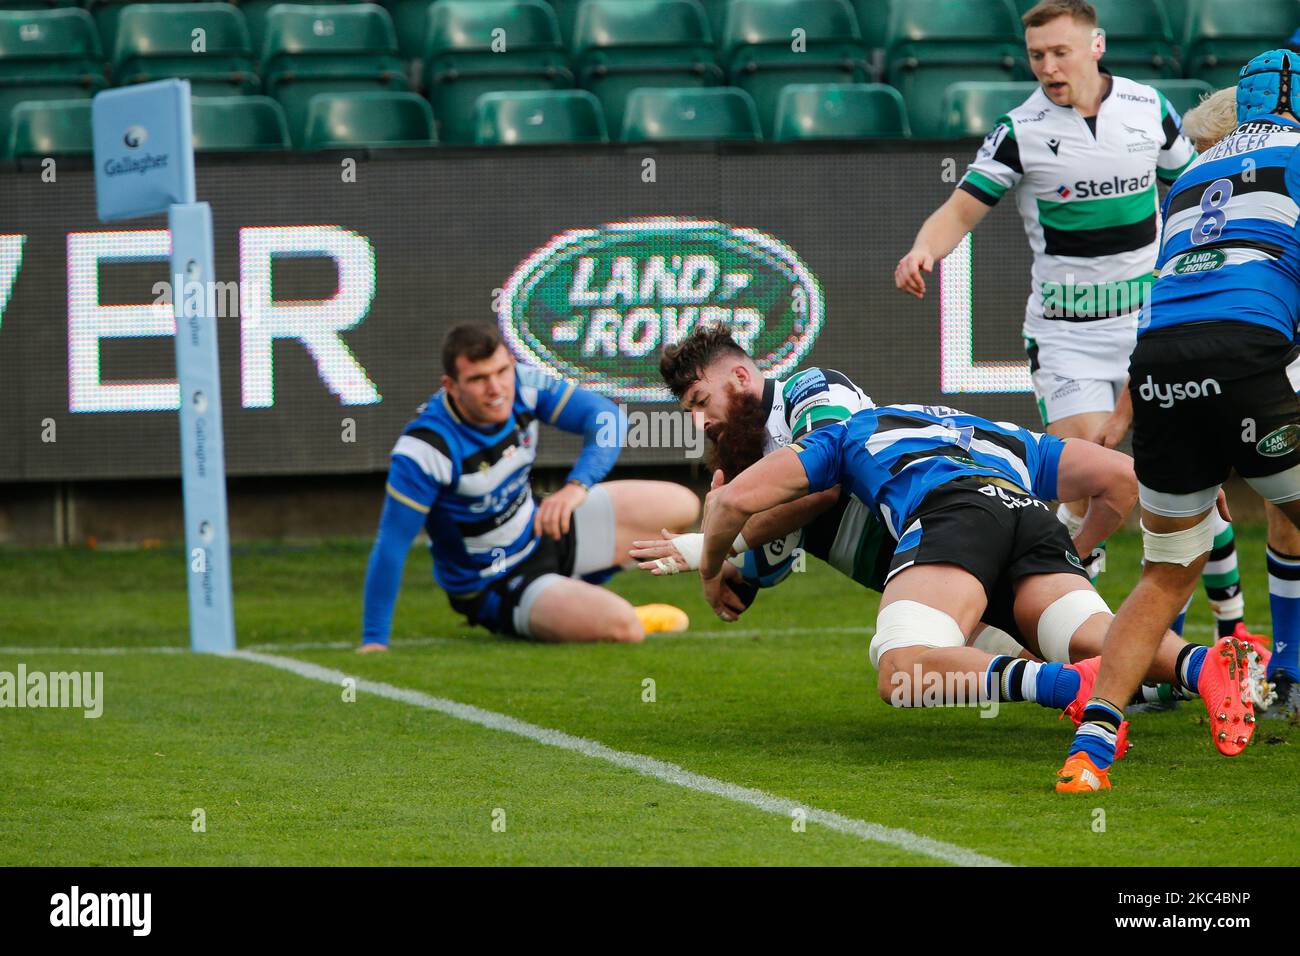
(566, 17)
(338, 120)
(935, 43)
(1223, 35)
(840, 111)
(544, 116)
(873, 22)
(46, 55)
(621, 45)
(329, 48)
(1176, 14)
(410, 20)
(238, 123)
(38, 46)
(757, 47)
(718, 112)
(460, 64)
(972, 109)
(255, 13)
(1183, 94)
(156, 41)
(52, 127)
(1139, 44)
(107, 15)
(716, 11)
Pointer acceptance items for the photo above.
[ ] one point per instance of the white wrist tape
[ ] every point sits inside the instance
(691, 548)
(1072, 521)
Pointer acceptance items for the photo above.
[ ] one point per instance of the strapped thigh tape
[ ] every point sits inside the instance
(1179, 547)
(913, 624)
(1062, 618)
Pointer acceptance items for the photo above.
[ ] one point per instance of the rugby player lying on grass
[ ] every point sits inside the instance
(963, 498)
(461, 471)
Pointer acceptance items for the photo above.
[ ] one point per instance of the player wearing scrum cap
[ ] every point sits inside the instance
(1213, 383)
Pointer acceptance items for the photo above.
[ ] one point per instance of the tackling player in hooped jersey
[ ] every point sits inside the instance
(462, 469)
(964, 500)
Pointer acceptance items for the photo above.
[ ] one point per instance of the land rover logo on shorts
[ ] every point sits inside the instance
(597, 305)
(1206, 260)
(1073, 559)
(1278, 443)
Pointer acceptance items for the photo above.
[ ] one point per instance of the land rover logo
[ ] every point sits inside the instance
(1206, 260)
(1277, 443)
(597, 305)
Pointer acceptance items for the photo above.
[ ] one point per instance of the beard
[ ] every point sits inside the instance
(739, 443)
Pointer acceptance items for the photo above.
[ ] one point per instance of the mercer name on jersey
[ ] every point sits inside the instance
(893, 456)
(1088, 199)
(1231, 247)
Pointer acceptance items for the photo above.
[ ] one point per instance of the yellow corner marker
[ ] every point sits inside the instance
(662, 618)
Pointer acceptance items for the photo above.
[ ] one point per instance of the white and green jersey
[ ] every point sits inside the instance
(1086, 191)
(808, 399)
(847, 536)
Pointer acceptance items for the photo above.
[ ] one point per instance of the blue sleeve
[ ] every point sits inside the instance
(400, 522)
(581, 412)
(1047, 465)
(821, 454)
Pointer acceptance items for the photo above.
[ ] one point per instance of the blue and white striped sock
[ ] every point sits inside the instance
(1284, 602)
(1096, 734)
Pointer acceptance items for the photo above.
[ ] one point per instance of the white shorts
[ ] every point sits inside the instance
(1079, 367)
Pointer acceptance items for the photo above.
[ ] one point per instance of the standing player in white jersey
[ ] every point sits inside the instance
(1083, 155)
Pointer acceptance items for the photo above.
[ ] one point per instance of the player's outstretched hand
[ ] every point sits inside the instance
(721, 598)
(907, 274)
(555, 512)
(659, 555)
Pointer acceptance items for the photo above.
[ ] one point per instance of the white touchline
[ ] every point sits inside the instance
(649, 766)
(412, 642)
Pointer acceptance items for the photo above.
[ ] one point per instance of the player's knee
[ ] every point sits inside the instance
(625, 628)
(905, 629)
(681, 507)
(1062, 619)
(1179, 547)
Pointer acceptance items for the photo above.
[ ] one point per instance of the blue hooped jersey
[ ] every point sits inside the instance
(473, 483)
(1231, 249)
(892, 457)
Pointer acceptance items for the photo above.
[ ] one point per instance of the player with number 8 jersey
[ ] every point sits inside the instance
(1213, 383)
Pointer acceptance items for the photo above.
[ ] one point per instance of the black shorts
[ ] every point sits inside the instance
(998, 534)
(1209, 397)
(494, 606)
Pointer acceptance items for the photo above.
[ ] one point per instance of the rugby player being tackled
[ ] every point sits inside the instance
(748, 417)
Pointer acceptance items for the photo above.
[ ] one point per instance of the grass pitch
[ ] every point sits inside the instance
(286, 771)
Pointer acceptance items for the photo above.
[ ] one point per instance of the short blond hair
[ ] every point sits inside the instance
(1043, 13)
(1213, 118)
